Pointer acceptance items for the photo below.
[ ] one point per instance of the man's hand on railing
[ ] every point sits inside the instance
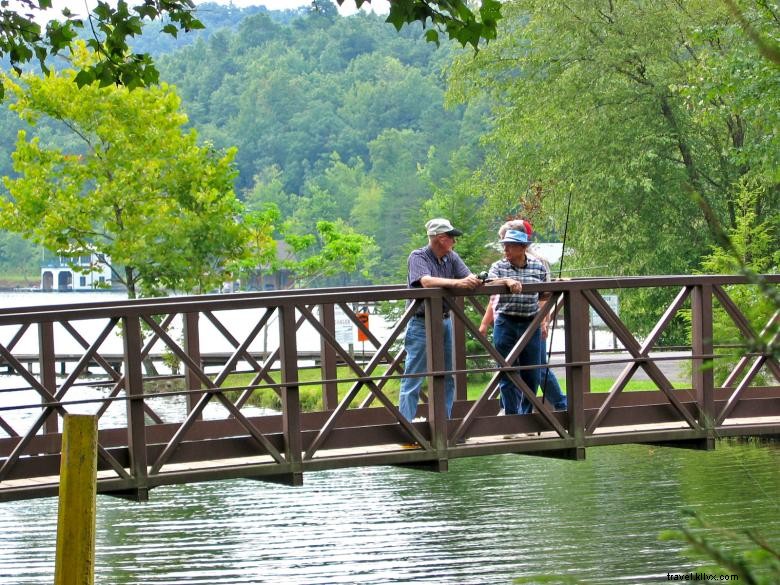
(470, 282)
(514, 286)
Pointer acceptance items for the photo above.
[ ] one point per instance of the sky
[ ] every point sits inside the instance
(348, 7)
(79, 6)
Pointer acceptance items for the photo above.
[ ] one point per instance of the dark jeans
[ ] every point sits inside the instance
(551, 389)
(506, 332)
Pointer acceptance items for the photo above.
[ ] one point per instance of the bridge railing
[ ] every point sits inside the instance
(155, 432)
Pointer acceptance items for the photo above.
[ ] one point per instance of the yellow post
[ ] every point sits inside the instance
(75, 558)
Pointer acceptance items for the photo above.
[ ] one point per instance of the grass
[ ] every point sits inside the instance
(19, 279)
(311, 387)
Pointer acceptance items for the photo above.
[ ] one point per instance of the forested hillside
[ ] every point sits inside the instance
(215, 17)
(334, 118)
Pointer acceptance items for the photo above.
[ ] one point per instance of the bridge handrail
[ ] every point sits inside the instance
(189, 303)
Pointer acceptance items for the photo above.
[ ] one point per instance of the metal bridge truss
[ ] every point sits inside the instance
(359, 423)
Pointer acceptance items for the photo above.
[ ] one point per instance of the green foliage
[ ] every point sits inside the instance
(334, 118)
(261, 226)
(335, 249)
(453, 17)
(134, 186)
(457, 198)
(109, 25)
(332, 122)
(268, 189)
(15, 254)
(769, 47)
(752, 248)
(744, 554)
(112, 26)
(636, 111)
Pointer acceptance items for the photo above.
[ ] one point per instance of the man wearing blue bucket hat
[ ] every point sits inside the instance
(514, 313)
(549, 384)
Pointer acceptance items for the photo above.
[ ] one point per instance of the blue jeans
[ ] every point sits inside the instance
(551, 389)
(417, 362)
(506, 332)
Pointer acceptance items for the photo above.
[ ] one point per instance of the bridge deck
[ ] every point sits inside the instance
(542, 443)
(489, 439)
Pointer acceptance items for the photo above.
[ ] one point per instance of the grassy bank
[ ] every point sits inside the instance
(11, 281)
(311, 388)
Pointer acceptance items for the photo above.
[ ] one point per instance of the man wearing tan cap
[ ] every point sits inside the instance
(435, 265)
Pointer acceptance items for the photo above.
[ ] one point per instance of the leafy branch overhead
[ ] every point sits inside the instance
(454, 17)
(109, 26)
(23, 39)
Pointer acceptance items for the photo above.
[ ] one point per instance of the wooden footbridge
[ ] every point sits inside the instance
(157, 429)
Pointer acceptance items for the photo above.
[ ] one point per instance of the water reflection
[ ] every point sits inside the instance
(488, 520)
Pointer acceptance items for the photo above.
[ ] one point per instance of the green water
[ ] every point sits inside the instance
(488, 520)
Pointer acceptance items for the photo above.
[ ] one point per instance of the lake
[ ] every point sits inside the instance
(487, 521)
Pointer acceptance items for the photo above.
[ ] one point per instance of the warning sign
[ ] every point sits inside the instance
(344, 328)
(363, 318)
(614, 304)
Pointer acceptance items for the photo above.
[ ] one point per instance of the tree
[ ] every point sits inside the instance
(751, 247)
(22, 38)
(455, 199)
(396, 157)
(635, 112)
(261, 225)
(769, 48)
(335, 249)
(134, 186)
(268, 188)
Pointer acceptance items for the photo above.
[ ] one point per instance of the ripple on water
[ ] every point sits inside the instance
(488, 520)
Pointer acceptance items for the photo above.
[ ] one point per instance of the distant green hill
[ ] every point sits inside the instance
(215, 17)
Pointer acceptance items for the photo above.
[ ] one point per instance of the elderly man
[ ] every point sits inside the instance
(514, 313)
(435, 265)
(551, 388)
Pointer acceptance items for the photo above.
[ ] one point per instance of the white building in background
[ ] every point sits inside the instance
(550, 251)
(60, 274)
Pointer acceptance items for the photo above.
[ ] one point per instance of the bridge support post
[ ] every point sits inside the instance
(437, 412)
(703, 376)
(459, 354)
(330, 392)
(48, 365)
(291, 400)
(136, 425)
(192, 382)
(75, 554)
(577, 376)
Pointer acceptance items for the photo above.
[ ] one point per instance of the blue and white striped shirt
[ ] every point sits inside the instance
(523, 304)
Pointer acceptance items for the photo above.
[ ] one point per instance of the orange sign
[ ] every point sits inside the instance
(363, 317)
